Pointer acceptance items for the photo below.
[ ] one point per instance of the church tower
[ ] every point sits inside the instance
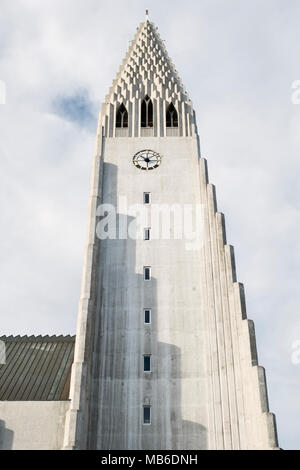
(165, 357)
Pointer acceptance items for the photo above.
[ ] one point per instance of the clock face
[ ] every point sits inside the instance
(147, 160)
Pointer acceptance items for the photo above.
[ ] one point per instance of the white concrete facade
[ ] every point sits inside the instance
(32, 425)
(205, 388)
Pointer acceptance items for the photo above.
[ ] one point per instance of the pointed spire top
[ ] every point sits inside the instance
(147, 69)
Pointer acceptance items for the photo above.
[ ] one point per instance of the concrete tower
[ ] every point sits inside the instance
(165, 357)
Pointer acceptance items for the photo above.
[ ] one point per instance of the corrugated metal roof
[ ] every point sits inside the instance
(38, 368)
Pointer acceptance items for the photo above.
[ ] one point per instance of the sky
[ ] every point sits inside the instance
(238, 60)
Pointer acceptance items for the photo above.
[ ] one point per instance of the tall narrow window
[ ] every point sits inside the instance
(147, 234)
(122, 116)
(147, 414)
(147, 363)
(147, 314)
(147, 112)
(147, 273)
(147, 198)
(172, 116)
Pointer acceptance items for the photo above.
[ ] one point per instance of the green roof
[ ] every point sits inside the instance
(37, 368)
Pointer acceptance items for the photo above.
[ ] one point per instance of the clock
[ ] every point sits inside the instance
(147, 160)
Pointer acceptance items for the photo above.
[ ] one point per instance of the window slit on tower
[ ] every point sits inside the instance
(147, 363)
(147, 273)
(147, 313)
(146, 198)
(147, 414)
(147, 234)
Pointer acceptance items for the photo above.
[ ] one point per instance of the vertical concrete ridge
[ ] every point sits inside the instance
(230, 272)
(212, 198)
(261, 374)
(215, 407)
(242, 381)
(230, 367)
(230, 262)
(221, 226)
(240, 299)
(272, 430)
(203, 172)
(269, 417)
(76, 427)
(214, 411)
(221, 370)
(253, 347)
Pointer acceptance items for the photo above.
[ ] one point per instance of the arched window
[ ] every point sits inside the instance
(122, 116)
(147, 112)
(172, 116)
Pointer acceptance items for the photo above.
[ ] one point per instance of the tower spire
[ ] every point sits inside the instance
(148, 70)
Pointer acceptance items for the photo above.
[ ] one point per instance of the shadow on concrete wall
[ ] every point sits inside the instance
(120, 387)
(6, 437)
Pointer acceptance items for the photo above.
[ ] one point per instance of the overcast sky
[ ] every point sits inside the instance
(238, 60)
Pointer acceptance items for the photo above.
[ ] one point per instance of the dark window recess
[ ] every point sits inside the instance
(172, 116)
(147, 112)
(147, 316)
(147, 363)
(147, 234)
(122, 116)
(147, 274)
(146, 198)
(147, 414)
